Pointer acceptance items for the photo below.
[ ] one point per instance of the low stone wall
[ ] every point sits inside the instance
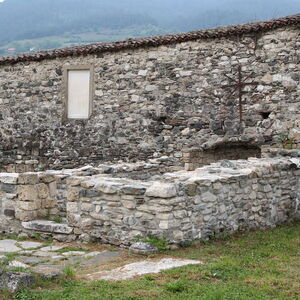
(179, 207)
(185, 206)
(28, 196)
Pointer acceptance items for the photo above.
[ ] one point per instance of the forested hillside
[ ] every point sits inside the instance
(39, 24)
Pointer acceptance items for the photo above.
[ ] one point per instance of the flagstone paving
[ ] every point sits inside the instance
(50, 260)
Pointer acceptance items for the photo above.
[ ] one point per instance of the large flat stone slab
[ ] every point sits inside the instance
(29, 245)
(47, 226)
(9, 246)
(141, 268)
(52, 248)
(48, 271)
(31, 259)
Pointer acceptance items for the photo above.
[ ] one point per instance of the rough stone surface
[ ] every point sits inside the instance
(142, 248)
(13, 281)
(48, 271)
(9, 246)
(47, 226)
(18, 264)
(29, 245)
(161, 190)
(141, 268)
(51, 248)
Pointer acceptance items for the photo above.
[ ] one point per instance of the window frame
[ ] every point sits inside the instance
(66, 70)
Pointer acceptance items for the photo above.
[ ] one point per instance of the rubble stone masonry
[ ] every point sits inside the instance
(153, 101)
(180, 207)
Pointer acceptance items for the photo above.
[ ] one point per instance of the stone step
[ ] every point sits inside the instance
(47, 226)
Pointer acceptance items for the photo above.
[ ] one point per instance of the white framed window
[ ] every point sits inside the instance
(78, 91)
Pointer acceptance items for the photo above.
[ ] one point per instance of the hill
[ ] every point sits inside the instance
(42, 24)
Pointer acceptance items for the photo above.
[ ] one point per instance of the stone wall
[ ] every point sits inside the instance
(28, 196)
(151, 102)
(195, 158)
(179, 207)
(186, 206)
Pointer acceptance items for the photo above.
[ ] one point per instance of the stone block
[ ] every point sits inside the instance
(178, 235)
(168, 216)
(29, 205)
(46, 178)
(47, 226)
(74, 219)
(107, 187)
(90, 193)
(208, 197)
(128, 204)
(74, 181)
(164, 225)
(72, 207)
(191, 189)
(133, 190)
(86, 223)
(28, 178)
(111, 198)
(8, 187)
(9, 212)
(142, 248)
(100, 216)
(48, 203)
(53, 189)
(43, 190)
(162, 190)
(27, 192)
(73, 194)
(26, 215)
(87, 207)
(10, 178)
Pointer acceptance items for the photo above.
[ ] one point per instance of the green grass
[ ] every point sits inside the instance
(255, 265)
(69, 272)
(160, 244)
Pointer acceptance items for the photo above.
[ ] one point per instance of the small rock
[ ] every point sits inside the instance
(174, 247)
(227, 164)
(18, 264)
(142, 248)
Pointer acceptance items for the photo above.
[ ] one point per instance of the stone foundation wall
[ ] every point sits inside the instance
(179, 207)
(151, 102)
